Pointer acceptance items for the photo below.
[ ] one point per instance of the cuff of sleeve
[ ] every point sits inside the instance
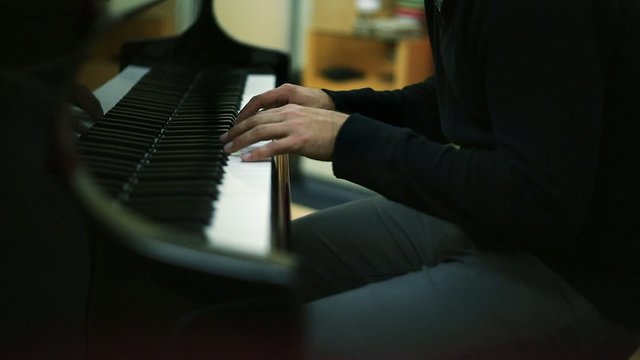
(350, 100)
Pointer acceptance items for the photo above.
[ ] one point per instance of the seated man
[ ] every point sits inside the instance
(506, 225)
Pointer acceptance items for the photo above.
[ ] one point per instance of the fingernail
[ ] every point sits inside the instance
(224, 136)
(227, 148)
(246, 156)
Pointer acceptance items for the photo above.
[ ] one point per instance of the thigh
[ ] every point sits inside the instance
(482, 306)
(372, 239)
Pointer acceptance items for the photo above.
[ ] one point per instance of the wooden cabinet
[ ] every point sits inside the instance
(102, 61)
(384, 64)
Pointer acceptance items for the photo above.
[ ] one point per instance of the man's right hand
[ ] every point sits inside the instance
(286, 94)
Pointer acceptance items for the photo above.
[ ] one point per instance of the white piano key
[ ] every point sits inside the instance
(257, 84)
(242, 219)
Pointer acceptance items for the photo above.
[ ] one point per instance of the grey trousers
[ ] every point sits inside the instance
(390, 282)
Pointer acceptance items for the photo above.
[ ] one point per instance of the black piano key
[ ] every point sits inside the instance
(212, 131)
(111, 174)
(134, 142)
(188, 106)
(135, 129)
(195, 164)
(158, 92)
(110, 185)
(222, 119)
(186, 183)
(117, 133)
(159, 120)
(158, 149)
(91, 159)
(131, 168)
(185, 139)
(200, 145)
(133, 124)
(141, 114)
(195, 154)
(213, 122)
(148, 105)
(116, 148)
(109, 153)
(158, 159)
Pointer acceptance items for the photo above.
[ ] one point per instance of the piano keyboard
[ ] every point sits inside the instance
(157, 152)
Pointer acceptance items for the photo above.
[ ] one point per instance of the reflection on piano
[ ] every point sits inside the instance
(65, 293)
(157, 154)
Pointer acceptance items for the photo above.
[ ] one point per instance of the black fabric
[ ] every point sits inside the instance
(543, 100)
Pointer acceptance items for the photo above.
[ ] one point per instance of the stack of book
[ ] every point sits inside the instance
(406, 19)
(412, 9)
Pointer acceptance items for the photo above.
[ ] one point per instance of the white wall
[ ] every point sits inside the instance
(302, 22)
(257, 22)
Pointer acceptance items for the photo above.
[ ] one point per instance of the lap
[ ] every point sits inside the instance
(411, 285)
(372, 239)
(476, 306)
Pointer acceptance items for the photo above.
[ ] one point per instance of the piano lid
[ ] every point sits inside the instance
(205, 44)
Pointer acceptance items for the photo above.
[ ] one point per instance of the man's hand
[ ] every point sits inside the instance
(283, 95)
(85, 100)
(295, 129)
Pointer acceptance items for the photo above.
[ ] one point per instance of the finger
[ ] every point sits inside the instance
(262, 118)
(79, 125)
(86, 100)
(252, 108)
(263, 101)
(259, 133)
(273, 148)
(94, 109)
(271, 99)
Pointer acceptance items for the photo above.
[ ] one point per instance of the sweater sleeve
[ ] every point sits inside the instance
(544, 90)
(414, 106)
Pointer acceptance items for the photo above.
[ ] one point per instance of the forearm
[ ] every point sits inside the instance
(414, 106)
(486, 191)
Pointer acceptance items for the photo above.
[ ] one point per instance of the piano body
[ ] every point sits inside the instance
(160, 111)
(182, 225)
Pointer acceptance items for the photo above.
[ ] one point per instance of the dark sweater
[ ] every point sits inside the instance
(543, 100)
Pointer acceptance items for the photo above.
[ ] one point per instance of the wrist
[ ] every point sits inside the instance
(327, 101)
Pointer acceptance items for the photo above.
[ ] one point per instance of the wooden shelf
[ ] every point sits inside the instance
(102, 61)
(386, 64)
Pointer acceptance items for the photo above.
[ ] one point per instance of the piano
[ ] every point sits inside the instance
(178, 225)
(154, 173)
